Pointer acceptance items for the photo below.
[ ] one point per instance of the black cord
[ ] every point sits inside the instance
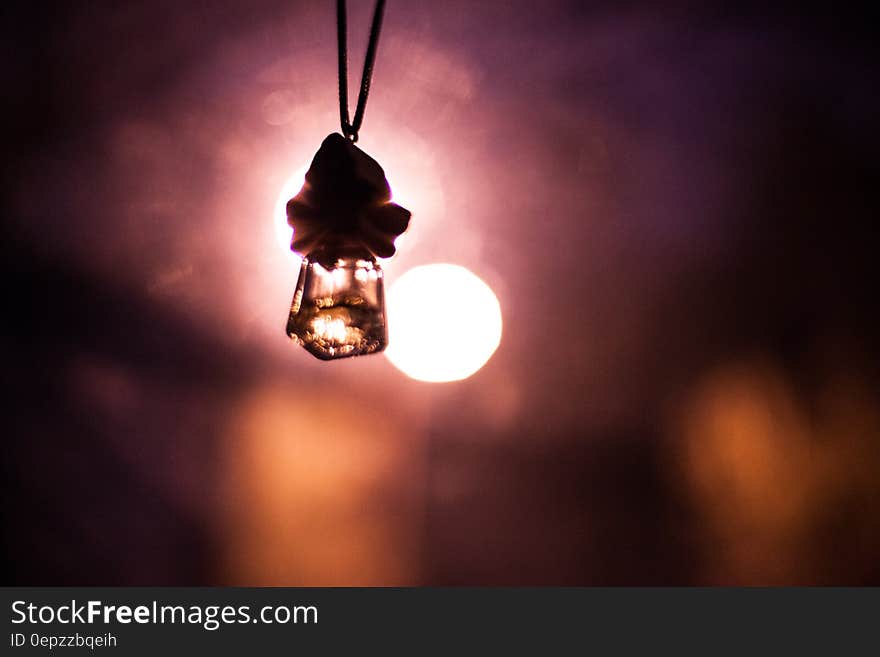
(350, 130)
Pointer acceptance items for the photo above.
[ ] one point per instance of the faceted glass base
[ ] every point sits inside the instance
(338, 309)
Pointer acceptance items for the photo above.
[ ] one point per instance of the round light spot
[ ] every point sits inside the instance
(444, 323)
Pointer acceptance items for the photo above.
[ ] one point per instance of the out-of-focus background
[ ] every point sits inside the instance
(676, 208)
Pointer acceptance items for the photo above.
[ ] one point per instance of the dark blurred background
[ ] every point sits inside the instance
(676, 206)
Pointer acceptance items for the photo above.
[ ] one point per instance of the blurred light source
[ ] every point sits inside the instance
(444, 323)
(283, 232)
(305, 500)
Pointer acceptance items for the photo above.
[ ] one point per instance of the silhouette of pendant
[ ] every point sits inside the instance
(342, 220)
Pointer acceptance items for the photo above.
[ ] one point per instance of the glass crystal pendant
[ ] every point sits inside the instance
(338, 308)
(342, 220)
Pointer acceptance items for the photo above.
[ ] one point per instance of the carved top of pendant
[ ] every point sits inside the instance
(345, 199)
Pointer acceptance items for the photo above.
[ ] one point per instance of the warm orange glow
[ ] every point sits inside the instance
(444, 323)
(307, 475)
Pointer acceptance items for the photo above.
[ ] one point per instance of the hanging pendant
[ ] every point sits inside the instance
(342, 220)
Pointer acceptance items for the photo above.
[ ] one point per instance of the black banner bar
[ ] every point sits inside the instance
(148, 621)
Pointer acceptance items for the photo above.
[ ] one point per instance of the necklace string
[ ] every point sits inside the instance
(351, 129)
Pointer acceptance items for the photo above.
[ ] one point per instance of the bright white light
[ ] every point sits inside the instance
(444, 323)
(283, 232)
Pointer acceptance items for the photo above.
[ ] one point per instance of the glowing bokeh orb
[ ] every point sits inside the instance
(444, 323)
(283, 232)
